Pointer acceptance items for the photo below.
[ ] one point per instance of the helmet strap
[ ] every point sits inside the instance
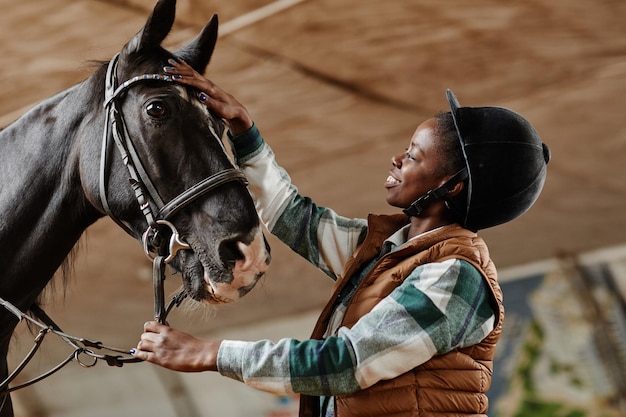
(422, 203)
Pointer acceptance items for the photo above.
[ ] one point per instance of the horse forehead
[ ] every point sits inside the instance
(194, 101)
(184, 94)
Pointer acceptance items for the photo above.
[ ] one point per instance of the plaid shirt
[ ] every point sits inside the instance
(438, 307)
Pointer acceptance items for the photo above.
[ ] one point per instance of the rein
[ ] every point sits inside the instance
(160, 251)
(82, 347)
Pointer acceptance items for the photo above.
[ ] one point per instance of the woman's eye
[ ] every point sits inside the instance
(156, 110)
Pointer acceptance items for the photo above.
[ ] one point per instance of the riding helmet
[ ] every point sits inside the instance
(506, 163)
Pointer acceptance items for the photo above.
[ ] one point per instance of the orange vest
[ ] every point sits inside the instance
(453, 384)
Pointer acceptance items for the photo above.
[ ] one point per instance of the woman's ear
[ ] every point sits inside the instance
(457, 189)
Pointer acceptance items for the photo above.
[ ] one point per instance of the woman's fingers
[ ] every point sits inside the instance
(222, 103)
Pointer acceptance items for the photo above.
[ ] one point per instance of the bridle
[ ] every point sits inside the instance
(158, 216)
(161, 251)
(145, 191)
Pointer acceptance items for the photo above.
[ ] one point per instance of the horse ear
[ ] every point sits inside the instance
(156, 28)
(197, 53)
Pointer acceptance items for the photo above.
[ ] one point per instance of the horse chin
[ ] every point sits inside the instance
(195, 283)
(203, 289)
(215, 283)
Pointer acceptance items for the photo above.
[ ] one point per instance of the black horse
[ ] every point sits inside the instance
(61, 170)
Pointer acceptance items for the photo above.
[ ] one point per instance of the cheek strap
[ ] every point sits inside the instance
(422, 203)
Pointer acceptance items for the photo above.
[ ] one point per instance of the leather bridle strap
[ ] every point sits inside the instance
(200, 189)
(116, 127)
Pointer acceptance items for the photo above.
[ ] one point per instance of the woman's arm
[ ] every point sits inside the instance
(438, 308)
(316, 233)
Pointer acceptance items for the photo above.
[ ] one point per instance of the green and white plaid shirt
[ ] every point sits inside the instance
(439, 306)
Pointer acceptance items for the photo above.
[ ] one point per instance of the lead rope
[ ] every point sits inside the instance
(81, 346)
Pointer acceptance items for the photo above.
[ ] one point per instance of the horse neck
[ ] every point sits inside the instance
(44, 210)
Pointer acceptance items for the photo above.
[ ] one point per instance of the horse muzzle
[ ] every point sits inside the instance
(246, 272)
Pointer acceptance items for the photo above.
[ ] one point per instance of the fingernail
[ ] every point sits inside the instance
(133, 351)
(177, 77)
(202, 96)
(172, 61)
(167, 68)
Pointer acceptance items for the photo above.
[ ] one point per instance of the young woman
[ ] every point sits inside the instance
(416, 310)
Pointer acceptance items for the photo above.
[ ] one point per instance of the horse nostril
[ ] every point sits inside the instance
(229, 252)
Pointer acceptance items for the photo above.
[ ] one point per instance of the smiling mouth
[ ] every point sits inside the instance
(391, 181)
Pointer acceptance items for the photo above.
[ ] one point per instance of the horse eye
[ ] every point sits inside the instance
(156, 109)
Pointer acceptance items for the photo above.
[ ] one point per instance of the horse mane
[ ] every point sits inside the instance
(99, 72)
(62, 276)
(66, 270)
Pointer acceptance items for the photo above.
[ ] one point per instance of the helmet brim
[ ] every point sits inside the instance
(453, 102)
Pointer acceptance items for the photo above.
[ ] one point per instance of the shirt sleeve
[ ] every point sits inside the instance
(317, 233)
(438, 308)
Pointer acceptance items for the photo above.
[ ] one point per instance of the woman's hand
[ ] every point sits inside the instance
(176, 350)
(219, 101)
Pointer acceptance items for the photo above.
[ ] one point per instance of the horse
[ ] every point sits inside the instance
(130, 143)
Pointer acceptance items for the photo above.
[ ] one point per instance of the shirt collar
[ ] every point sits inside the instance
(398, 239)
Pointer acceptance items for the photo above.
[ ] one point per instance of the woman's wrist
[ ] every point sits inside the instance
(210, 358)
(240, 124)
(246, 142)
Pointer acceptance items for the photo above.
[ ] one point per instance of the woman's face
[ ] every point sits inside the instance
(414, 171)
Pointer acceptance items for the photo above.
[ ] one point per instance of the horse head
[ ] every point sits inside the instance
(184, 191)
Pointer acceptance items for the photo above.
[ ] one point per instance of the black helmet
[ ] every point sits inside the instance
(505, 166)
(506, 162)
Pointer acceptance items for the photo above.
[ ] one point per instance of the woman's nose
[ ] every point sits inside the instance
(396, 161)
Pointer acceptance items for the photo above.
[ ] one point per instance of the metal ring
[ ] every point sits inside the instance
(175, 243)
(88, 352)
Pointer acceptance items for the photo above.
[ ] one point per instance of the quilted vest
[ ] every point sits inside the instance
(451, 385)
